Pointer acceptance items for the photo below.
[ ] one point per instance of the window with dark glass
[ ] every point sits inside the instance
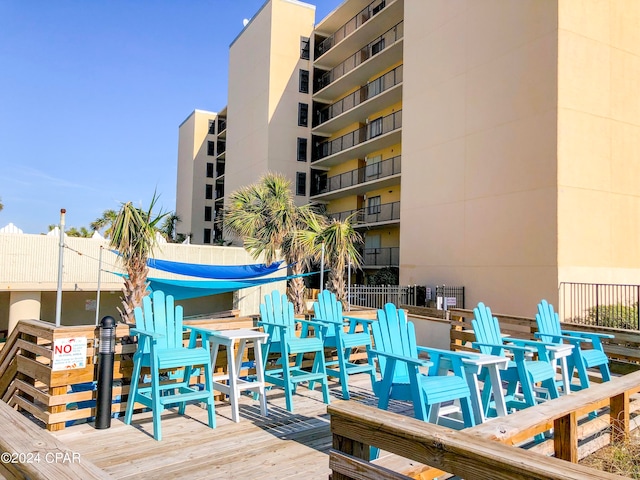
(303, 114)
(212, 127)
(377, 47)
(304, 48)
(375, 127)
(304, 81)
(211, 148)
(302, 149)
(301, 183)
(208, 214)
(373, 205)
(207, 235)
(208, 192)
(209, 170)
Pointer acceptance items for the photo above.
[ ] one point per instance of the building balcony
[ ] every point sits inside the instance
(368, 99)
(381, 257)
(382, 52)
(373, 216)
(359, 181)
(377, 16)
(377, 134)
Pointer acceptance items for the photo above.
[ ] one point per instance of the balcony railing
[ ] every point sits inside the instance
(374, 171)
(381, 257)
(222, 124)
(386, 212)
(375, 128)
(385, 40)
(351, 26)
(222, 147)
(373, 88)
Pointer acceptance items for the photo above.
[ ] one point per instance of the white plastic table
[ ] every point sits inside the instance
(473, 367)
(234, 384)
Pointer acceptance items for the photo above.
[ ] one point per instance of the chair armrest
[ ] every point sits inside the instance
(558, 338)
(449, 353)
(205, 332)
(589, 335)
(146, 333)
(314, 323)
(324, 320)
(368, 321)
(273, 324)
(400, 358)
(513, 348)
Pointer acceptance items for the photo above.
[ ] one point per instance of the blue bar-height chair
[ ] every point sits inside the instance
(396, 350)
(593, 356)
(159, 330)
(343, 334)
(278, 321)
(522, 369)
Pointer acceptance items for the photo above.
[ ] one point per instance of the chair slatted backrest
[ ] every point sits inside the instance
(327, 307)
(486, 329)
(277, 309)
(548, 322)
(393, 333)
(159, 314)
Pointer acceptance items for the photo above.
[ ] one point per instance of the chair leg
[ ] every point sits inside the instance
(133, 391)
(343, 360)
(289, 388)
(157, 406)
(467, 412)
(319, 366)
(185, 379)
(208, 384)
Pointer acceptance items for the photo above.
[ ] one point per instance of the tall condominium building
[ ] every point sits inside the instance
(493, 144)
(200, 183)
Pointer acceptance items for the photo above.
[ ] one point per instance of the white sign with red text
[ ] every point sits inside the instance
(69, 353)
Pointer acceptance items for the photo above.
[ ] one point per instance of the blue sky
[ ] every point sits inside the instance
(92, 93)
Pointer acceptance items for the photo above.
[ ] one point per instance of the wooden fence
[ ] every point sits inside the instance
(55, 397)
(488, 450)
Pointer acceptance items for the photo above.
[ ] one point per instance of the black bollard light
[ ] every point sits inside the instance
(105, 372)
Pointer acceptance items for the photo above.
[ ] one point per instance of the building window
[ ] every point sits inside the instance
(208, 192)
(209, 170)
(377, 47)
(301, 183)
(212, 127)
(207, 235)
(373, 168)
(208, 214)
(373, 205)
(303, 114)
(304, 81)
(304, 48)
(302, 149)
(375, 127)
(211, 148)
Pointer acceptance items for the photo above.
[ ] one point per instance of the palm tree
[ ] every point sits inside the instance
(106, 220)
(133, 235)
(82, 232)
(169, 227)
(1, 205)
(340, 241)
(264, 215)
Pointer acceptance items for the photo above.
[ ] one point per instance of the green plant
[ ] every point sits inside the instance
(386, 276)
(616, 316)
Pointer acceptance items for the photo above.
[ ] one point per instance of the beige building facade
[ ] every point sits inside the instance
(493, 145)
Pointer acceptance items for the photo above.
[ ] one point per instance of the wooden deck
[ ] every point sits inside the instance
(280, 446)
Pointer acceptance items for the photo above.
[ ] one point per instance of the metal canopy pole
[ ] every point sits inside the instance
(60, 264)
(98, 294)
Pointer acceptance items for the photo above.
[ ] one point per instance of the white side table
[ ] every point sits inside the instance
(234, 384)
(559, 354)
(473, 367)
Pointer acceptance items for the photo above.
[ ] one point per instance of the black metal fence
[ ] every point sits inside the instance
(448, 296)
(606, 305)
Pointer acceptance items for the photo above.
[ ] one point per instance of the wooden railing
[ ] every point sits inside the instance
(623, 350)
(28, 381)
(487, 450)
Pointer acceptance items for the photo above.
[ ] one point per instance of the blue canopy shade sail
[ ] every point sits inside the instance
(217, 272)
(185, 289)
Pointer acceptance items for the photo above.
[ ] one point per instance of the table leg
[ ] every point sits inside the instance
(257, 351)
(496, 387)
(474, 387)
(233, 382)
(566, 382)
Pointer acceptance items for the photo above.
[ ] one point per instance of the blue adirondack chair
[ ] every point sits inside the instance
(550, 330)
(278, 321)
(401, 379)
(343, 334)
(159, 330)
(522, 370)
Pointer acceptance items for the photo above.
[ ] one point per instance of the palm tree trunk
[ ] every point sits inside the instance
(135, 289)
(295, 289)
